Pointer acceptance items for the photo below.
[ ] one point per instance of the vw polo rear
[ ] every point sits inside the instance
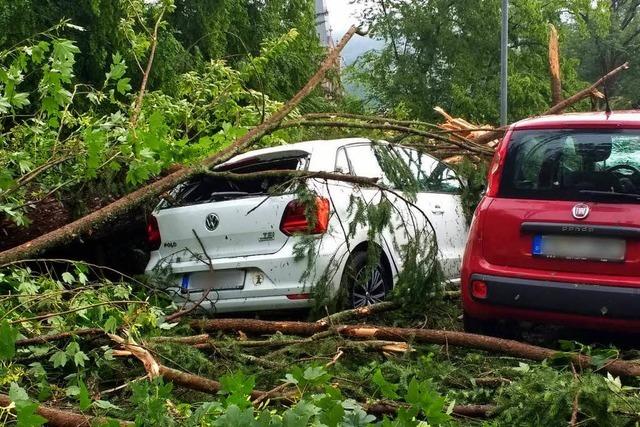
(238, 238)
(556, 239)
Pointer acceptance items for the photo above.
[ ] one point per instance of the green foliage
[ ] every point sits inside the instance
(544, 397)
(445, 53)
(72, 134)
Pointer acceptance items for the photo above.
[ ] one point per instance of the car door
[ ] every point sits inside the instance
(439, 197)
(363, 162)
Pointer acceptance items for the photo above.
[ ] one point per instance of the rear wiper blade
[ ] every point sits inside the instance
(227, 194)
(613, 194)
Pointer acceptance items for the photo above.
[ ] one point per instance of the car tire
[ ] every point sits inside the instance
(361, 292)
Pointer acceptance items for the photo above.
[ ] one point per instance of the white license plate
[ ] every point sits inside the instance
(579, 248)
(219, 279)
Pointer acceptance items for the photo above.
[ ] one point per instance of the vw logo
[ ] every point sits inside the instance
(212, 222)
(580, 211)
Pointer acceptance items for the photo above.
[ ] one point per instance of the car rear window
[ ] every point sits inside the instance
(566, 164)
(205, 189)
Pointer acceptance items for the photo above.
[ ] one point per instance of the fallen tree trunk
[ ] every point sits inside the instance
(87, 224)
(355, 313)
(464, 144)
(433, 336)
(61, 418)
(554, 66)
(560, 107)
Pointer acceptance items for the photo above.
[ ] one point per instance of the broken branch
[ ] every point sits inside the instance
(60, 418)
(434, 336)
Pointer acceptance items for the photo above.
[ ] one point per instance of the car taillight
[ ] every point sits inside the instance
(153, 233)
(495, 170)
(295, 221)
(479, 289)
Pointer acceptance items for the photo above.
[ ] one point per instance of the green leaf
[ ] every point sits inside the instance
(123, 86)
(68, 277)
(17, 393)
(26, 415)
(79, 358)
(8, 336)
(83, 396)
(387, 389)
(105, 404)
(59, 359)
(111, 325)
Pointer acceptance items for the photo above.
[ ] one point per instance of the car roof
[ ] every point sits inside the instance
(627, 118)
(298, 148)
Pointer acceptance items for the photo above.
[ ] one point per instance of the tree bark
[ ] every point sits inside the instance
(60, 418)
(355, 313)
(434, 336)
(554, 66)
(87, 224)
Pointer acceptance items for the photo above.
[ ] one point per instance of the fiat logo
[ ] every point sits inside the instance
(212, 222)
(580, 211)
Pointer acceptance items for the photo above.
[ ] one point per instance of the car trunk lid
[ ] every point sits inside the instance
(218, 217)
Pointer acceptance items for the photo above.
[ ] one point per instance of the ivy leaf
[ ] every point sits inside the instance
(8, 336)
(59, 359)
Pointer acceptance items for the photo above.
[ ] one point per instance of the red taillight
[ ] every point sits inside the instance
(479, 289)
(495, 170)
(295, 220)
(153, 233)
(298, 296)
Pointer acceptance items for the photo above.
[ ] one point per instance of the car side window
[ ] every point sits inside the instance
(342, 163)
(364, 162)
(432, 175)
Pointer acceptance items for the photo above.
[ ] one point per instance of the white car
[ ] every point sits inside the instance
(244, 242)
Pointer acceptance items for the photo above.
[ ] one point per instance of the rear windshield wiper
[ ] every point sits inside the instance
(612, 194)
(223, 195)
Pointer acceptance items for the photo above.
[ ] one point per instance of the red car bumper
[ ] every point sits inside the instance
(589, 306)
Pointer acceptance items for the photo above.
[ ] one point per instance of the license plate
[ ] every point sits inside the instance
(579, 248)
(221, 280)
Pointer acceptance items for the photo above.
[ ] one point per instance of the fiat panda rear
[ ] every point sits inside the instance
(556, 239)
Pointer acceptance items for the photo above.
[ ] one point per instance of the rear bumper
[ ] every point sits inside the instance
(571, 304)
(250, 283)
(572, 298)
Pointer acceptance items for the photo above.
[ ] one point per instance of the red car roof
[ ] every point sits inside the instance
(628, 119)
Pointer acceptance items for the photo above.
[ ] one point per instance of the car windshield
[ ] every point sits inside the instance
(573, 165)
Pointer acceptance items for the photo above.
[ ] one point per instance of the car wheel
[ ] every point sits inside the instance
(365, 285)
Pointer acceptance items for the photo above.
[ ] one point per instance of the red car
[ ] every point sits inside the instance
(556, 239)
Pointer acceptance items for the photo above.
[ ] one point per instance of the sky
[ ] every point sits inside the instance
(341, 16)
